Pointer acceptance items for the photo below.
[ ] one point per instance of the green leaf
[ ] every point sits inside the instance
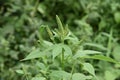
(99, 46)
(116, 53)
(56, 50)
(82, 53)
(117, 17)
(67, 50)
(41, 8)
(20, 71)
(34, 54)
(110, 75)
(60, 75)
(80, 76)
(88, 67)
(38, 78)
(104, 58)
(40, 65)
(37, 53)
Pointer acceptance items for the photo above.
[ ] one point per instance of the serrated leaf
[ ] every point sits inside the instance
(80, 76)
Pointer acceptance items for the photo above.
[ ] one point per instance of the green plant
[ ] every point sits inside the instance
(64, 57)
(94, 23)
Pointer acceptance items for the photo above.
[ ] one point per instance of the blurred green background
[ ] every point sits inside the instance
(20, 19)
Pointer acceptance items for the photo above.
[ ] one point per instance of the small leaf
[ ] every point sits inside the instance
(88, 67)
(20, 71)
(41, 65)
(117, 17)
(80, 76)
(38, 78)
(41, 8)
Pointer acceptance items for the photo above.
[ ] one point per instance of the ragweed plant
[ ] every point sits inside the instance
(63, 57)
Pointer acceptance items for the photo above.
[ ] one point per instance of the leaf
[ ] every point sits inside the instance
(56, 50)
(67, 50)
(38, 78)
(99, 46)
(116, 53)
(20, 71)
(90, 52)
(60, 75)
(117, 17)
(80, 76)
(37, 53)
(34, 54)
(40, 65)
(104, 58)
(82, 53)
(109, 75)
(41, 8)
(88, 67)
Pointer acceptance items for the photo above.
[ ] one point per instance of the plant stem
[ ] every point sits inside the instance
(63, 59)
(25, 72)
(72, 70)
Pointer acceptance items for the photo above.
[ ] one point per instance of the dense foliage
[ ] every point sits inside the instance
(81, 43)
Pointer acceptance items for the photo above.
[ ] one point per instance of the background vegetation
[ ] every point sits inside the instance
(93, 22)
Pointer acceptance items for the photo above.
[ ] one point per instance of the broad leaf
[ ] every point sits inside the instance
(34, 54)
(67, 50)
(56, 50)
(109, 75)
(80, 76)
(37, 53)
(60, 75)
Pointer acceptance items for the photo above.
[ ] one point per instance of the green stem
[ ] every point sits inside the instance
(109, 43)
(25, 72)
(72, 70)
(62, 59)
